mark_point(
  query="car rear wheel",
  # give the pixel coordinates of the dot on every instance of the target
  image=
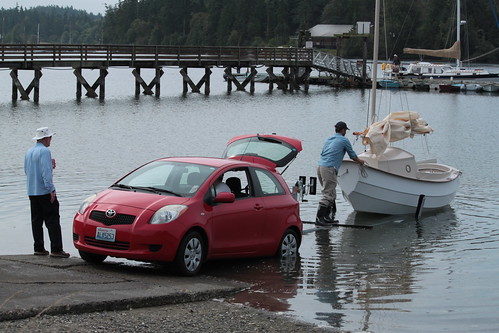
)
(288, 247)
(190, 254)
(92, 257)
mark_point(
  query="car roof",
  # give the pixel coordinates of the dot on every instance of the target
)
(210, 161)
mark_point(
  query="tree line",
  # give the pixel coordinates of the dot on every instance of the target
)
(49, 24)
(417, 24)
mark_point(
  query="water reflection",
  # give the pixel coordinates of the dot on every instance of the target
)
(358, 274)
(274, 281)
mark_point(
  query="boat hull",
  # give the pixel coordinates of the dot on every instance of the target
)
(374, 191)
(491, 87)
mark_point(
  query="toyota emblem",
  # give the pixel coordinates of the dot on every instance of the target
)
(110, 213)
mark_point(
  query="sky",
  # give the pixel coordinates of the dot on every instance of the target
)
(92, 6)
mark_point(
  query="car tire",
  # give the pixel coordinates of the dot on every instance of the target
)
(190, 254)
(92, 257)
(288, 247)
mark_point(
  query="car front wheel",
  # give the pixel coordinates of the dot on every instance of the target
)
(289, 245)
(190, 254)
(92, 257)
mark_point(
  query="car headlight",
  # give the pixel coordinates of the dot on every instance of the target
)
(167, 214)
(85, 203)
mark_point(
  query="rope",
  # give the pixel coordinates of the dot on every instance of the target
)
(483, 55)
(362, 171)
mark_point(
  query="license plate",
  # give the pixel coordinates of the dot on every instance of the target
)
(105, 234)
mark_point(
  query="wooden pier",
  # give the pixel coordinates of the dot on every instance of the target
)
(295, 65)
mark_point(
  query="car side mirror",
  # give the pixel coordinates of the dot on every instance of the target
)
(225, 197)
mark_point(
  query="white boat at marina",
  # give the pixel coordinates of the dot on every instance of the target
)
(439, 71)
(471, 87)
(491, 87)
(391, 181)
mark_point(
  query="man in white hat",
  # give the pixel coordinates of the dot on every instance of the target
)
(38, 166)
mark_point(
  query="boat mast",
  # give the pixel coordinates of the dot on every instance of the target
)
(375, 62)
(458, 29)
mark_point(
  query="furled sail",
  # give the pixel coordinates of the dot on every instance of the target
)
(452, 52)
(396, 126)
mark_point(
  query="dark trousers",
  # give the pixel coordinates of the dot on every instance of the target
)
(42, 210)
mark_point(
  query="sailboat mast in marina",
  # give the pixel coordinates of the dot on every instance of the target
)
(439, 71)
(392, 182)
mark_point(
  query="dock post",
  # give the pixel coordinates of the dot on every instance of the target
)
(13, 74)
(18, 87)
(185, 80)
(137, 83)
(36, 81)
(207, 76)
(102, 84)
(78, 84)
(157, 81)
(285, 72)
(252, 82)
(228, 72)
(270, 72)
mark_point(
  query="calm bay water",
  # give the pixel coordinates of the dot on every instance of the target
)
(434, 275)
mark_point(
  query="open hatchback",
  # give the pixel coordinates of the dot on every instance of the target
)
(267, 149)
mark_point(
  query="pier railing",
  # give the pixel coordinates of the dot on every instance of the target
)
(63, 55)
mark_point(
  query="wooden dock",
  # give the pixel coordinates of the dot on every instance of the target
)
(295, 65)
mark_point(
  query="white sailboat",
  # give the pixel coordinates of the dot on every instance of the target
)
(439, 71)
(392, 182)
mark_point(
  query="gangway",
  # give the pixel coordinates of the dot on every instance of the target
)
(339, 66)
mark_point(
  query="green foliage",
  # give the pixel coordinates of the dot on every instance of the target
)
(416, 23)
(50, 24)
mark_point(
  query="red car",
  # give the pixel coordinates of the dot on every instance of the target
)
(175, 209)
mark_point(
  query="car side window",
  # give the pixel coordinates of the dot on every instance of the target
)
(237, 181)
(268, 183)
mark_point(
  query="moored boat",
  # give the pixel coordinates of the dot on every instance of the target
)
(424, 69)
(471, 87)
(449, 88)
(491, 87)
(388, 83)
(438, 71)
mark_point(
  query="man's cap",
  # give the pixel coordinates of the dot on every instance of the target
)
(341, 125)
(43, 132)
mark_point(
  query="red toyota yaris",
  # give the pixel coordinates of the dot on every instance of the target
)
(189, 209)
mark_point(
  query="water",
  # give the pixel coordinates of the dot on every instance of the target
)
(435, 275)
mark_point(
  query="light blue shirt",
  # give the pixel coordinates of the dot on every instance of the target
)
(333, 151)
(38, 169)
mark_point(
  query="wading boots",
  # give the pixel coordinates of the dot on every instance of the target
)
(324, 216)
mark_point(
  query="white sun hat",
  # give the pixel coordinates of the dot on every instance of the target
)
(43, 132)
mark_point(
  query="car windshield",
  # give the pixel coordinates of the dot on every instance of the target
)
(165, 177)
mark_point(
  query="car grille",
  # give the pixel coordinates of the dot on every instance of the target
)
(100, 216)
(107, 245)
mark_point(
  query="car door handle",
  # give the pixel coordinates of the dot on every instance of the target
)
(258, 206)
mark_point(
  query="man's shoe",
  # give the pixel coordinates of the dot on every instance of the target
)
(41, 253)
(60, 254)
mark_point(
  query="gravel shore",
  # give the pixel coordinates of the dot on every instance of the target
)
(209, 316)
